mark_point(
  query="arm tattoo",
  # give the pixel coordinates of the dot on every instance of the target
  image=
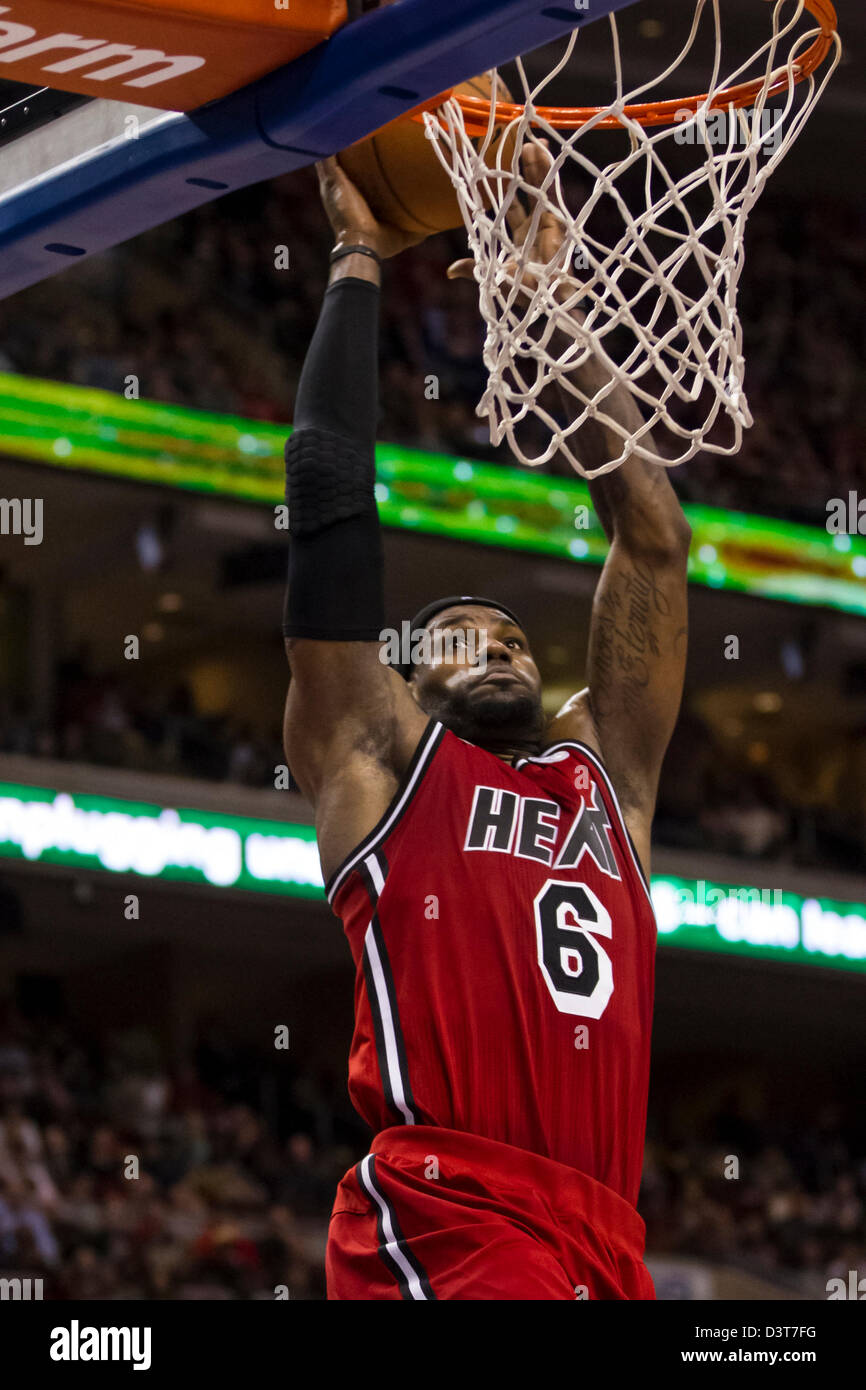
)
(626, 641)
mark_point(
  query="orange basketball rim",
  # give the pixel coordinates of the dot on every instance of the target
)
(476, 110)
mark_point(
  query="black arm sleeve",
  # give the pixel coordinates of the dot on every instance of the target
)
(336, 570)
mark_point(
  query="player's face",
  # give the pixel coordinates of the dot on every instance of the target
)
(477, 675)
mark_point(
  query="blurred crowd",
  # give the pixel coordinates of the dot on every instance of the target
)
(801, 302)
(784, 1202)
(119, 1179)
(216, 310)
(103, 719)
(806, 806)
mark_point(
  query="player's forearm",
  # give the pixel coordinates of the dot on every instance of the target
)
(635, 502)
(597, 441)
(339, 385)
(637, 505)
(336, 581)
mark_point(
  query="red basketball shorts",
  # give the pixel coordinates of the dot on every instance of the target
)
(435, 1214)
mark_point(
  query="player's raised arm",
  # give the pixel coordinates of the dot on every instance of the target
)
(637, 642)
(637, 645)
(638, 634)
(351, 726)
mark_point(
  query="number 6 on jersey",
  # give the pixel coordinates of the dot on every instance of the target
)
(576, 969)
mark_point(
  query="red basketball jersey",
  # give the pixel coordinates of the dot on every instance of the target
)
(504, 940)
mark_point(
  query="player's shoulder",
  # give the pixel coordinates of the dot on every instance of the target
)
(574, 723)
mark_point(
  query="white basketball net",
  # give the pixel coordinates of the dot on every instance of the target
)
(651, 256)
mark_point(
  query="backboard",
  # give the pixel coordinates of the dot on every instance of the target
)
(93, 172)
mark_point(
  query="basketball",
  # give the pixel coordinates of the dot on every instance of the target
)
(400, 176)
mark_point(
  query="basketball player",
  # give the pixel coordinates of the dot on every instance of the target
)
(490, 867)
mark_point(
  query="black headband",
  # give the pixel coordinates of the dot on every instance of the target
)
(422, 618)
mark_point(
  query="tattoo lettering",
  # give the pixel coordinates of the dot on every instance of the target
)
(625, 640)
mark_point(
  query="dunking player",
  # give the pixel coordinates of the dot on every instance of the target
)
(490, 867)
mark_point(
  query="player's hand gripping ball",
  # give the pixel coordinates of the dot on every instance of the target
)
(350, 217)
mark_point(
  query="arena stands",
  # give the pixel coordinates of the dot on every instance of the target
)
(235, 1190)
